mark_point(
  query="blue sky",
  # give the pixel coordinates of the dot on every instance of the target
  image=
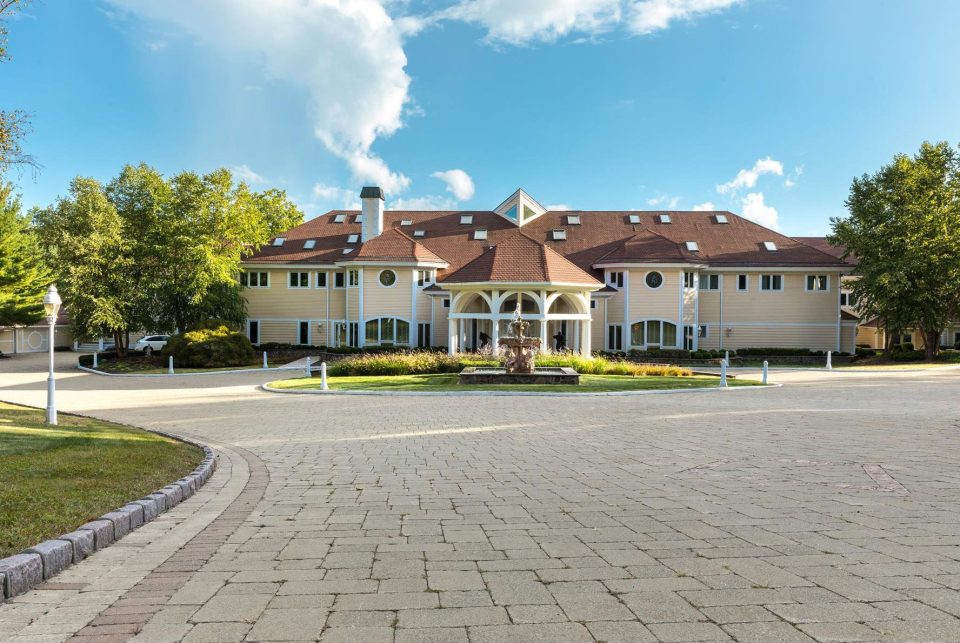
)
(762, 107)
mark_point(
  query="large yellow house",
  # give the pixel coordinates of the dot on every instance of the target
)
(595, 280)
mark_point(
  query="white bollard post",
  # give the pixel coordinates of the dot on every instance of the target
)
(723, 374)
(829, 360)
(170, 365)
(95, 359)
(265, 359)
(323, 376)
(308, 367)
(766, 367)
(726, 357)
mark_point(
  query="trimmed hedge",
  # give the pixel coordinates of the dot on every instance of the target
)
(210, 348)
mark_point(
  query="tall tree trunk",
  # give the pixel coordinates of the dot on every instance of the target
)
(931, 341)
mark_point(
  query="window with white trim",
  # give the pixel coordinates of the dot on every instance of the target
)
(710, 281)
(424, 278)
(321, 281)
(615, 278)
(688, 279)
(387, 331)
(614, 337)
(299, 280)
(593, 304)
(818, 283)
(387, 278)
(743, 283)
(339, 278)
(353, 278)
(703, 331)
(255, 279)
(771, 282)
(446, 303)
(653, 332)
(848, 299)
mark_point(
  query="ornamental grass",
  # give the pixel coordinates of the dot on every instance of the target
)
(426, 362)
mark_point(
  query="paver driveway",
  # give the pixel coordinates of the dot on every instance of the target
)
(827, 510)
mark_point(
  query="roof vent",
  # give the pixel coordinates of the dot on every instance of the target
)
(559, 235)
(573, 219)
(279, 241)
(692, 246)
(466, 219)
(770, 245)
(309, 244)
(347, 251)
(353, 238)
(419, 233)
(634, 218)
(405, 222)
(664, 218)
(479, 234)
(339, 218)
(722, 218)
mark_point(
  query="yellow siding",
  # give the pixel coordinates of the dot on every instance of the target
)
(379, 301)
(278, 331)
(791, 305)
(440, 326)
(279, 301)
(597, 328)
(848, 337)
(615, 309)
(813, 337)
(662, 303)
(870, 337)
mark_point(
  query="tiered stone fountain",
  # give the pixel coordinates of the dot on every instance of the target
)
(519, 367)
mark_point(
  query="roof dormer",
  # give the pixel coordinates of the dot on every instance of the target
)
(520, 208)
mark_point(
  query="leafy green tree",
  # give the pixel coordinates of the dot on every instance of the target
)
(13, 124)
(23, 273)
(904, 229)
(278, 211)
(84, 237)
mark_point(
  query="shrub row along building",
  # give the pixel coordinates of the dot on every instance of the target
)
(599, 280)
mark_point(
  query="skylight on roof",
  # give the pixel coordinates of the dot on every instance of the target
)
(770, 245)
(358, 218)
(479, 234)
(347, 251)
(405, 222)
(466, 219)
(419, 233)
(279, 241)
(634, 218)
(353, 238)
(573, 219)
(339, 218)
(664, 218)
(722, 218)
(309, 244)
(692, 246)
(559, 235)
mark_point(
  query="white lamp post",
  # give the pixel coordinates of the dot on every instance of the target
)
(51, 306)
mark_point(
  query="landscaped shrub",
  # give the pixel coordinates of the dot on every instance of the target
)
(210, 348)
(907, 356)
(788, 352)
(424, 362)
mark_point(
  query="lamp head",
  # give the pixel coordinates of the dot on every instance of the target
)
(51, 303)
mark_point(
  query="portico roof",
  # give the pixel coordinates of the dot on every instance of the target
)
(519, 259)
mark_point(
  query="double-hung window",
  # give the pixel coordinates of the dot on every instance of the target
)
(743, 283)
(688, 279)
(338, 279)
(255, 279)
(321, 280)
(615, 279)
(424, 278)
(353, 278)
(818, 283)
(771, 282)
(710, 282)
(299, 279)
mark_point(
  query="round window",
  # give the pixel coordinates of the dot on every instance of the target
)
(388, 278)
(654, 279)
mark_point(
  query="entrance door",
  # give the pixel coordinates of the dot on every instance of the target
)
(253, 330)
(423, 335)
(303, 333)
(688, 338)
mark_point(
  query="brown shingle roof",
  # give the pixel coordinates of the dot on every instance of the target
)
(518, 258)
(602, 237)
(394, 245)
(821, 244)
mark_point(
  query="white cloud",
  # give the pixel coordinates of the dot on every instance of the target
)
(756, 210)
(330, 196)
(646, 16)
(347, 54)
(671, 202)
(706, 206)
(156, 45)
(458, 183)
(429, 202)
(523, 22)
(558, 207)
(791, 180)
(748, 178)
(244, 173)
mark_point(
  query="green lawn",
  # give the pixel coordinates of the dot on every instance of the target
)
(55, 478)
(448, 382)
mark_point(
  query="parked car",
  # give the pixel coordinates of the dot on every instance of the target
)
(147, 345)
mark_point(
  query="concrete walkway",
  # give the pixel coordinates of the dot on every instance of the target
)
(824, 510)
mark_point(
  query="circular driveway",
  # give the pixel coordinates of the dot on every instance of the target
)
(827, 509)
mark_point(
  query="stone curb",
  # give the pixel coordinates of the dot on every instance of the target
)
(673, 391)
(21, 572)
(175, 374)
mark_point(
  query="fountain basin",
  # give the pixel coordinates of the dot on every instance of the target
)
(543, 375)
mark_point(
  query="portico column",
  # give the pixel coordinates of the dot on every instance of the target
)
(494, 336)
(543, 334)
(452, 336)
(585, 334)
(576, 334)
